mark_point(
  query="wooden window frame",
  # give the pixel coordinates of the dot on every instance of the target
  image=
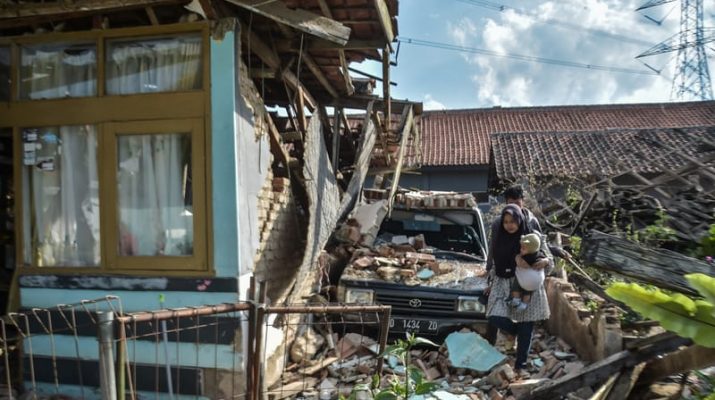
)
(163, 111)
(113, 131)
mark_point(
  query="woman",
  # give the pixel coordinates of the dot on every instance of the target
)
(503, 259)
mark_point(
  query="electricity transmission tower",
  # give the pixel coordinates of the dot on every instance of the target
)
(692, 77)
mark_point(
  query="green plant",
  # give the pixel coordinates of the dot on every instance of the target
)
(657, 233)
(573, 197)
(676, 312)
(707, 244)
(412, 383)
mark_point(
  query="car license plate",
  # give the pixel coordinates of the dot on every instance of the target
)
(413, 325)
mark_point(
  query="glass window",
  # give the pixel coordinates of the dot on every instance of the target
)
(51, 71)
(154, 190)
(154, 65)
(4, 73)
(61, 190)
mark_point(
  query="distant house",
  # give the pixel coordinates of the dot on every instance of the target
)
(456, 144)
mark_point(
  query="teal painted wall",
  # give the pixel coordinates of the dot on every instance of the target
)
(224, 171)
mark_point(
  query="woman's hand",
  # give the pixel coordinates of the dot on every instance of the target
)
(540, 264)
(521, 263)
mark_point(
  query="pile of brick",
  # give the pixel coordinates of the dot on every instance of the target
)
(425, 199)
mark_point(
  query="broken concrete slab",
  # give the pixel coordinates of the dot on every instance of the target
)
(370, 217)
(469, 350)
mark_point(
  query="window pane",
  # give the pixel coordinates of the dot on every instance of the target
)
(62, 188)
(4, 73)
(50, 71)
(154, 65)
(155, 205)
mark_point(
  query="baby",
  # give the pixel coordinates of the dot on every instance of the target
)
(527, 279)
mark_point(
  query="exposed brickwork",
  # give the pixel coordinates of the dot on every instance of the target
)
(280, 250)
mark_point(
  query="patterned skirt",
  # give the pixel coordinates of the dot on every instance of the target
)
(538, 309)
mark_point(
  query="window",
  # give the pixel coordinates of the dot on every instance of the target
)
(62, 196)
(153, 185)
(154, 65)
(51, 71)
(112, 177)
(4, 73)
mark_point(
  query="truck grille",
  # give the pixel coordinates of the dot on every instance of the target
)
(405, 303)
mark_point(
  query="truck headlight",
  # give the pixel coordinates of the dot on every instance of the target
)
(359, 296)
(469, 304)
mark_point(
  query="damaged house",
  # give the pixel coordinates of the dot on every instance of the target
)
(148, 166)
(455, 145)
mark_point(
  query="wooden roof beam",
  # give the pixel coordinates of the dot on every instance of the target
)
(299, 19)
(385, 20)
(271, 59)
(65, 9)
(317, 44)
(315, 69)
(349, 88)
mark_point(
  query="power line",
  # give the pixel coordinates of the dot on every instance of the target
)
(553, 21)
(521, 57)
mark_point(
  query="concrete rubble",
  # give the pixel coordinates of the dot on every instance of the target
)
(331, 372)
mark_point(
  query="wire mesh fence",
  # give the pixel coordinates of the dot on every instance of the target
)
(245, 350)
(192, 352)
(336, 349)
(52, 352)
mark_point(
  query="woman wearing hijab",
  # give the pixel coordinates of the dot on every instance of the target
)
(503, 260)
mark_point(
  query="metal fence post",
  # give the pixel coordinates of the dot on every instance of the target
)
(107, 382)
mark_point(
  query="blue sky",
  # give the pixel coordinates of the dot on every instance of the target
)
(612, 34)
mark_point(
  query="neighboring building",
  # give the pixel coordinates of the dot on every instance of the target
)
(456, 144)
(583, 155)
(146, 165)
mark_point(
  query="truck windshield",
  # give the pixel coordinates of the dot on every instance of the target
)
(452, 239)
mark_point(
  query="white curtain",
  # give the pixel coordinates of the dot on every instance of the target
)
(155, 219)
(65, 197)
(153, 170)
(154, 65)
(50, 73)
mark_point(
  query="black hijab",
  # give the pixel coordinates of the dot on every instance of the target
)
(506, 245)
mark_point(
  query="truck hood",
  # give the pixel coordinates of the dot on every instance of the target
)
(450, 274)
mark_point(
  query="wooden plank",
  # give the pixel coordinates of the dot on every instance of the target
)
(601, 370)
(407, 129)
(152, 16)
(299, 19)
(318, 73)
(386, 88)
(274, 136)
(336, 138)
(349, 88)
(66, 9)
(318, 44)
(660, 267)
(385, 20)
(271, 59)
(688, 359)
(362, 163)
(626, 381)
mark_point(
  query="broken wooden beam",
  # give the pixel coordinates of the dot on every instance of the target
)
(660, 267)
(385, 20)
(302, 20)
(600, 371)
(406, 132)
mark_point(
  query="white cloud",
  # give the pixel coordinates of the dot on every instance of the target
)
(430, 103)
(595, 32)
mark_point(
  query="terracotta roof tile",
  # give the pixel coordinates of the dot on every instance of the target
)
(570, 154)
(461, 137)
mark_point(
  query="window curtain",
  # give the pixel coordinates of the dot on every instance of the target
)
(65, 197)
(152, 66)
(155, 218)
(154, 169)
(50, 73)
